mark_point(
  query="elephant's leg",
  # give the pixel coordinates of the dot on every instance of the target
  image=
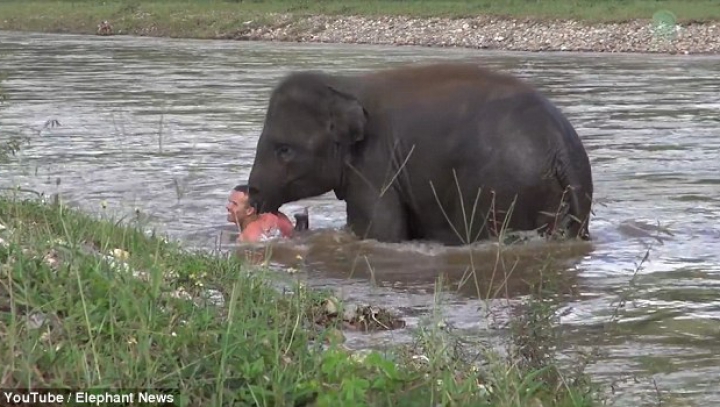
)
(464, 217)
(445, 236)
(558, 216)
(371, 216)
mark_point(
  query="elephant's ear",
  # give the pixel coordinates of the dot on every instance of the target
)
(348, 117)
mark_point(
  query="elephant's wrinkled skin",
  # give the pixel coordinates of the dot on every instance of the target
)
(434, 152)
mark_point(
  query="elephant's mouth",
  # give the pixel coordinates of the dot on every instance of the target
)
(272, 199)
(262, 204)
(264, 207)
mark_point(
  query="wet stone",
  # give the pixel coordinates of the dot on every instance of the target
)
(370, 318)
(36, 320)
(366, 318)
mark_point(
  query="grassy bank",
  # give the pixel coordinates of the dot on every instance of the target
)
(88, 302)
(216, 18)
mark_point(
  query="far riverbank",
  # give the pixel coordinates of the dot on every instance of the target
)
(671, 27)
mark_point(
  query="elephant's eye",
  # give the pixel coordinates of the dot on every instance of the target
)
(284, 152)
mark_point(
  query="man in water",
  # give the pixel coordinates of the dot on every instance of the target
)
(254, 226)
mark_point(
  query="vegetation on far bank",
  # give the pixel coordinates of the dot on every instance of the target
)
(219, 18)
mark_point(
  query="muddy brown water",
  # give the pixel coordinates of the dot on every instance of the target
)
(169, 126)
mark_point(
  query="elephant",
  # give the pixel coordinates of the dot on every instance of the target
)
(449, 152)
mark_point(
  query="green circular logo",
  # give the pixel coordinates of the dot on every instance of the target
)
(664, 22)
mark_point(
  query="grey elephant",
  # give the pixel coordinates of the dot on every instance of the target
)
(452, 153)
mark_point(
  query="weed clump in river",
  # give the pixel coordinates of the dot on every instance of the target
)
(9, 144)
(87, 302)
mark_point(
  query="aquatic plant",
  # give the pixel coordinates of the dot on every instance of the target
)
(8, 145)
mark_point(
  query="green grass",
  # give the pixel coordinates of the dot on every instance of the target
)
(217, 18)
(71, 318)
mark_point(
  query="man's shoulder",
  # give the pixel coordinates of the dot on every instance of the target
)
(269, 218)
(281, 215)
(262, 229)
(280, 221)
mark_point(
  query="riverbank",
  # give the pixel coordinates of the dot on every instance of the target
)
(88, 303)
(671, 26)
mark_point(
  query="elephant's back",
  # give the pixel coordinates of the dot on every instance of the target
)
(465, 123)
(462, 115)
(421, 77)
(412, 87)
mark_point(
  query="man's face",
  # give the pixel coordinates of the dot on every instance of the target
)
(238, 207)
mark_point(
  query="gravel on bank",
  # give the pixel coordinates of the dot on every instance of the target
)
(490, 33)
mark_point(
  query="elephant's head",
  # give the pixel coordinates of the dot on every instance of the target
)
(309, 128)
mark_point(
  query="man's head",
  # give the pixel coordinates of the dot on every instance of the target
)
(239, 207)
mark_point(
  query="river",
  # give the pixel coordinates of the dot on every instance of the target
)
(169, 126)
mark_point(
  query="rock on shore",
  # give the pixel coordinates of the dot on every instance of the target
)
(491, 33)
